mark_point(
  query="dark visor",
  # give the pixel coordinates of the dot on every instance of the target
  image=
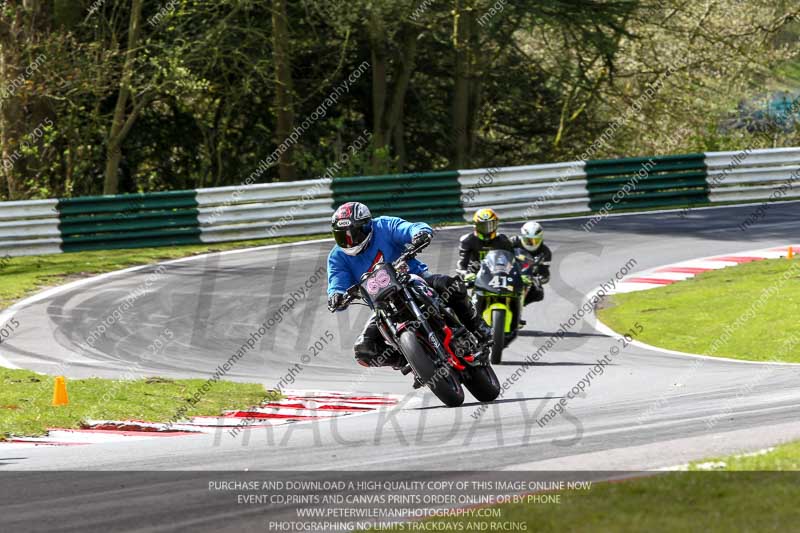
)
(352, 236)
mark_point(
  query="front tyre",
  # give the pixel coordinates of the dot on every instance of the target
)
(498, 334)
(482, 382)
(440, 380)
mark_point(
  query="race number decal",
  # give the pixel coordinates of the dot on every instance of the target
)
(499, 282)
(377, 282)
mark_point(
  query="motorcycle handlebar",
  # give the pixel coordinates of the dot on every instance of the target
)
(354, 293)
(410, 252)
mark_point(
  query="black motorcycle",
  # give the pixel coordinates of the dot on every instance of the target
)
(530, 266)
(437, 348)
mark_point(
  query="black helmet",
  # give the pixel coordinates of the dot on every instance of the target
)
(352, 227)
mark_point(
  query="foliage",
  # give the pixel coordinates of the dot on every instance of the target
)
(448, 83)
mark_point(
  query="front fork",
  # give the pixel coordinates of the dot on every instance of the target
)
(429, 333)
(446, 353)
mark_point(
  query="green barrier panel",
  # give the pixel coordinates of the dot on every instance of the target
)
(629, 161)
(427, 197)
(657, 181)
(674, 202)
(650, 195)
(134, 203)
(449, 174)
(421, 185)
(124, 217)
(128, 221)
(136, 243)
(129, 196)
(596, 190)
(131, 224)
(670, 176)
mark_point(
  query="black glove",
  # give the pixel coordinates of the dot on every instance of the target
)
(335, 301)
(423, 238)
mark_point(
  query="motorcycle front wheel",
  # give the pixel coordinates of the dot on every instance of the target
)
(442, 381)
(498, 334)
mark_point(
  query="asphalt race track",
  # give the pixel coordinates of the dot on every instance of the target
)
(649, 410)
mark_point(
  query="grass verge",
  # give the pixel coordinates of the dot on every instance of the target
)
(785, 457)
(750, 495)
(742, 312)
(25, 400)
(23, 276)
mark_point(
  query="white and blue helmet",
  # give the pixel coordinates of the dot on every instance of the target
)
(531, 235)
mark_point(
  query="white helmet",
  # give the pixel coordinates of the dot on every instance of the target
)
(531, 236)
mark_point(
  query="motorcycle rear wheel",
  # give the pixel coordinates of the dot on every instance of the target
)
(482, 383)
(442, 381)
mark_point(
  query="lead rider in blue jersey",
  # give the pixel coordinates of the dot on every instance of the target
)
(362, 242)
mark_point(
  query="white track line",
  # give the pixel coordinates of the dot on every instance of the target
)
(683, 270)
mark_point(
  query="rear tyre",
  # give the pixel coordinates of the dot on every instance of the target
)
(498, 334)
(482, 382)
(440, 380)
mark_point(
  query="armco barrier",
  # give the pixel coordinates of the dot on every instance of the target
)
(431, 196)
(29, 228)
(526, 191)
(642, 182)
(128, 221)
(748, 175)
(304, 207)
(264, 210)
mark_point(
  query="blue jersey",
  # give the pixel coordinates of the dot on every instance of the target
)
(388, 240)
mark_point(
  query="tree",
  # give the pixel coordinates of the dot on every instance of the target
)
(124, 118)
(284, 106)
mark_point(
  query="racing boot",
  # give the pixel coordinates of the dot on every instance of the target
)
(464, 309)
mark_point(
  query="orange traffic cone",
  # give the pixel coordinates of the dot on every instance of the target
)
(790, 253)
(60, 392)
